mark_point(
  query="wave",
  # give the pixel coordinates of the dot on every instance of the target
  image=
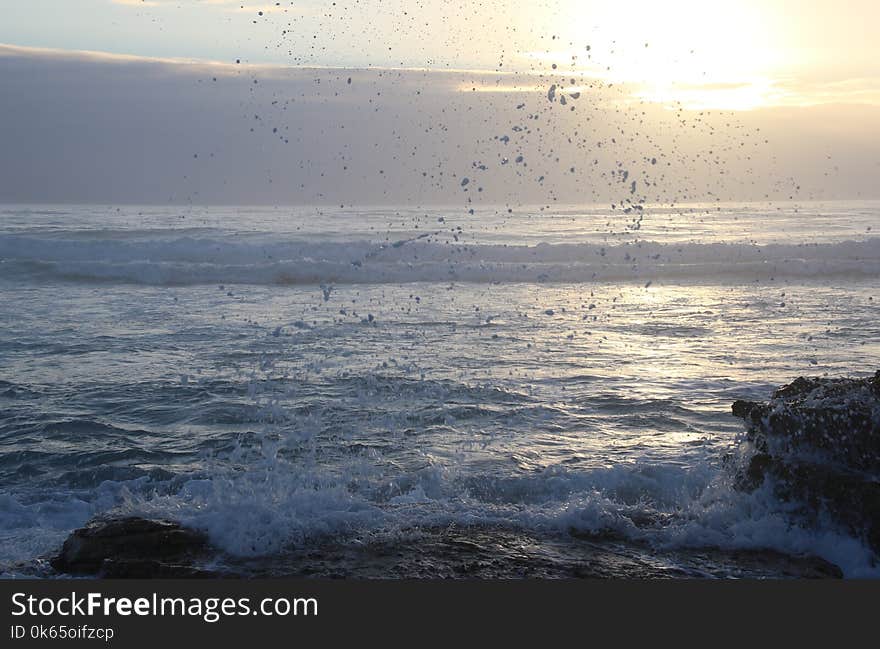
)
(185, 261)
(262, 506)
(263, 512)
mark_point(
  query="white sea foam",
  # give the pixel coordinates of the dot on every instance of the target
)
(268, 506)
(664, 506)
(189, 261)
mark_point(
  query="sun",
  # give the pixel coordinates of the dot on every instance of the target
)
(700, 54)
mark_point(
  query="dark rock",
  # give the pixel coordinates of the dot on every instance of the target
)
(137, 546)
(447, 552)
(490, 552)
(743, 409)
(152, 569)
(818, 441)
(832, 420)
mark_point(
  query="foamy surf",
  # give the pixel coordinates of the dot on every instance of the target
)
(190, 261)
(322, 400)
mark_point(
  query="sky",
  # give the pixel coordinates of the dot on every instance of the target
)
(218, 101)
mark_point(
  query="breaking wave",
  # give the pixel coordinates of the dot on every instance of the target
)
(192, 261)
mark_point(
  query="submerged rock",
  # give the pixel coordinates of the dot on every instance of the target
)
(497, 552)
(448, 552)
(818, 440)
(131, 547)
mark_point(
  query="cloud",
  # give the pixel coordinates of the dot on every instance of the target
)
(861, 90)
(226, 5)
(108, 128)
(156, 3)
(699, 88)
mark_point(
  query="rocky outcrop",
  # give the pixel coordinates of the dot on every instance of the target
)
(818, 441)
(131, 547)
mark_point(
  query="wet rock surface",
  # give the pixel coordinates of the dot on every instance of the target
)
(131, 547)
(142, 549)
(503, 553)
(818, 441)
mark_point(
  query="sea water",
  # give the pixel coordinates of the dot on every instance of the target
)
(281, 377)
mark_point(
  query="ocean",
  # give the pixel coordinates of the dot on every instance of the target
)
(531, 380)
